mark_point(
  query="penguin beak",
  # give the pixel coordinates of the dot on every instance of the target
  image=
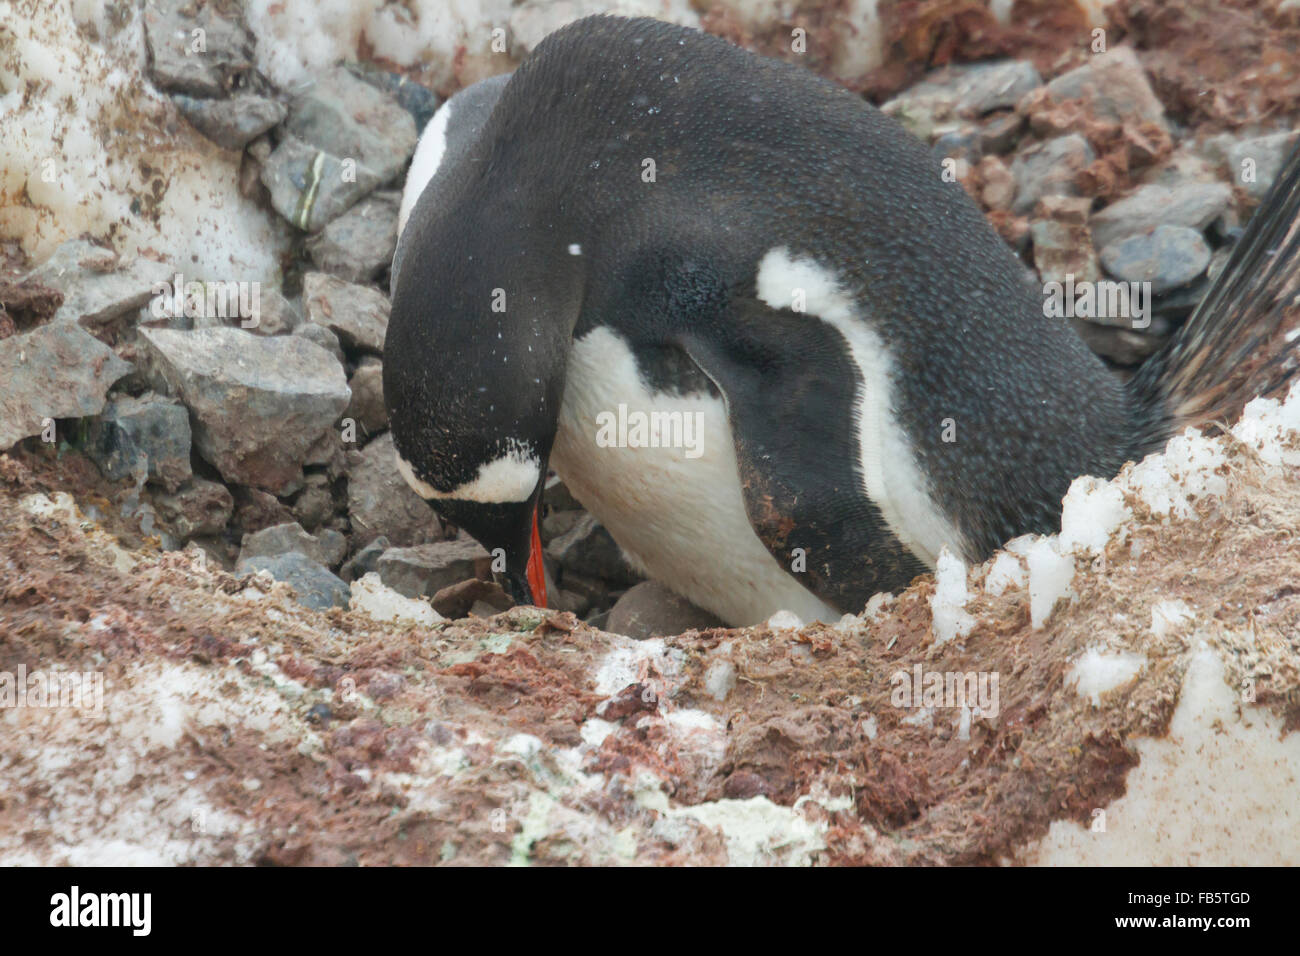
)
(510, 529)
(529, 587)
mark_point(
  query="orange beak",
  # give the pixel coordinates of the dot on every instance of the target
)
(536, 569)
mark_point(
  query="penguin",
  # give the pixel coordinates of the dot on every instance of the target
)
(742, 315)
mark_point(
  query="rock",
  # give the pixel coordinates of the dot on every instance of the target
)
(1001, 132)
(588, 549)
(205, 63)
(1254, 163)
(367, 406)
(1062, 245)
(309, 187)
(54, 371)
(315, 503)
(458, 600)
(651, 610)
(381, 503)
(557, 496)
(963, 91)
(255, 510)
(1191, 204)
(417, 99)
(1115, 86)
(347, 117)
(323, 337)
(364, 561)
(356, 313)
(258, 403)
(145, 437)
(1121, 345)
(359, 244)
(201, 507)
(1049, 169)
(998, 187)
(329, 549)
(232, 123)
(343, 138)
(557, 523)
(277, 315)
(315, 586)
(1167, 257)
(425, 569)
(98, 289)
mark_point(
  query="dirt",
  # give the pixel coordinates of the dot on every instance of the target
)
(297, 737)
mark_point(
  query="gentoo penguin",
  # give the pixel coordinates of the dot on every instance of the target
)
(655, 222)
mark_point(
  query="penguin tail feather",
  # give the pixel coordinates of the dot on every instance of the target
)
(1243, 340)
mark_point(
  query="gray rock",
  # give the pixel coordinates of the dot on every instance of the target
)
(142, 437)
(200, 64)
(97, 288)
(651, 610)
(425, 569)
(367, 407)
(1195, 205)
(1116, 86)
(315, 504)
(328, 549)
(255, 510)
(359, 244)
(343, 138)
(257, 403)
(965, 91)
(1049, 169)
(316, 587)
(1121, 345)
(276, 315)
(557, 496)
(310, 187)
(55, 371)
(365, 560)
(588, 549)
(323, 337)
(418, 100)
(356, 313)
(201, 507)
(557, 523)
(349, 118)
(1167, 257)
(381, 503)
(1254, 163)
(232, 122)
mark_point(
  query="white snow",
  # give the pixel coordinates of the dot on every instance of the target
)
(1218, 791)
(1098, 671)
(948, 603)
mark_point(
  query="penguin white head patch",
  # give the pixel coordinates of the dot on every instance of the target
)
(512, 477)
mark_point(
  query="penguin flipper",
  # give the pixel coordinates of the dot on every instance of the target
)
(791, 389)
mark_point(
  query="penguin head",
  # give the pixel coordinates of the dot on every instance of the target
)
(474, 362)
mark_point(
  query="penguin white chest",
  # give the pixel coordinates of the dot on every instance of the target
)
(659, 471)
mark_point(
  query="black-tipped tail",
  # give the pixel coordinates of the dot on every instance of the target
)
(1243, 340)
